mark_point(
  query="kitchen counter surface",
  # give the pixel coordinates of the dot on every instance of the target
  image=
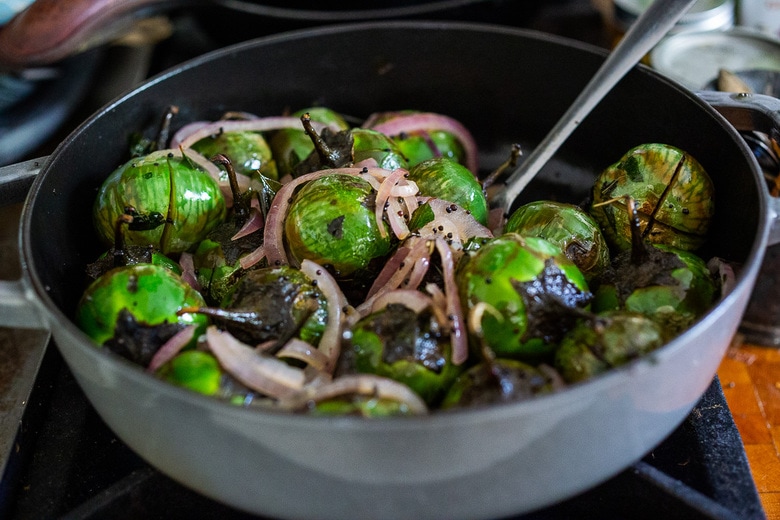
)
(750, 377)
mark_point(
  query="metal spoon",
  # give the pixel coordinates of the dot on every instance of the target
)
(652, 25)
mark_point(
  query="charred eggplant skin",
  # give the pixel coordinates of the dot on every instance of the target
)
(610, 339)
(526, 283)
(674, 287)
(497, 381)
(398, 343)
(275, 302)
(152, 294)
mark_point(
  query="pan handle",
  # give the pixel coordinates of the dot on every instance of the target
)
(752, 113)
(18, 304)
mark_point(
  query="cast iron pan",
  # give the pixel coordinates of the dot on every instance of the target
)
(507, 86)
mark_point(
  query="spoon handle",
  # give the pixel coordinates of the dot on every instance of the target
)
(652, 25)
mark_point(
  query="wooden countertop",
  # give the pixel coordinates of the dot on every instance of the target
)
(750, 377)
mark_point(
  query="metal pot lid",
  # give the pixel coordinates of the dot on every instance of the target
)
(704, 15)
(694, 58)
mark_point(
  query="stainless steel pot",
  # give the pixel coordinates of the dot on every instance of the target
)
(506, 85)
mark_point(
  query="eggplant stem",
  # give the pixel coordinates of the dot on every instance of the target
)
(515, 153)
(165, 127)
(240, 208)
(638, 249)
(120, 258)
(328, 155)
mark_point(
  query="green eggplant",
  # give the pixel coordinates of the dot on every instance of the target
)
(525, 292)
(569, 227)
(136, 308)
(674, 196)
(451, 181)
(169, 190)
(332, 222)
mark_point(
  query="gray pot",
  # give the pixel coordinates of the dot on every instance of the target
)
(506, 85)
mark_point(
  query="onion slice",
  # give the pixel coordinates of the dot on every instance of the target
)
(298, 349)
(393, 264)
(412, 299)
(458, 335)
(373, 386)
(391, 187)
(419, 252)
(252, 258)
(187, 264)
(330, 342)
(427, 122)
(194, 132)
(170, 348)
(262, 373)
(724, 272)
(254, 223)
(452, 223)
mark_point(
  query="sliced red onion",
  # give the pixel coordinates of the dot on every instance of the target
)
(396, 216)
(301, 350)
(187, 264)
(477, 312)
(187, 130)
(405, 189)
(368, 162)
(452, 223)
(252, 258)
(392, 265)
(418, 273)
(496, 219)
(385, 207)
(262, 373)
(458, 334)
(330, 342)
(439, 300)
(170, 348)
(725, 273)
(427, 121)
(266, 345)
(254, 223)
(410, 298)
(373, 386)
(191, 134)
(200, 161)
(419, 251)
